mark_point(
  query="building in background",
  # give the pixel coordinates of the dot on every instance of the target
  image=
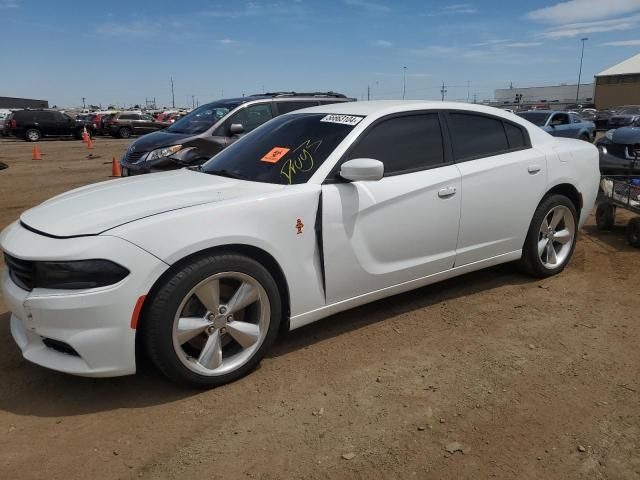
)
(558, 95)
(619, 85)
(12, 102)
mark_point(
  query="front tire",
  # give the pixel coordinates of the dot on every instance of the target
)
(212, 320)
(551, 238)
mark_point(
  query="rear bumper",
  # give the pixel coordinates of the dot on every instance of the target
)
(94, 323)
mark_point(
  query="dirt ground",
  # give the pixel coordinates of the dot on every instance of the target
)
(534, 379)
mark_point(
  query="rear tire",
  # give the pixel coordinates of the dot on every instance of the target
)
(605, 216)
(551, 238)
(633, 232)
(124, 132)
(32, 135)
(585, 137)
(195, 327)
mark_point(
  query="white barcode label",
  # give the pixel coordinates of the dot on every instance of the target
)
(343, 119)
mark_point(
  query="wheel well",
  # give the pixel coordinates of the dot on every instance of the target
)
(255, 253)
(570, 192)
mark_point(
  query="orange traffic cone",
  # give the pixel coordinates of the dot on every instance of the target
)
(115, 168)
(36, 152)
(89, 143)
(85, 135)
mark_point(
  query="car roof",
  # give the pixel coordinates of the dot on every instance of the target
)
(386, 107)
(380, 108)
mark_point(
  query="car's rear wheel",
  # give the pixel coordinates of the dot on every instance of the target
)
(633, 232)
(551, 238)
(605, 216)
(213, 320)
(585, 137)
(32, 135)
(124, 132)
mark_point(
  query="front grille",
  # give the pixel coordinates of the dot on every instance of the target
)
(617, 150)
(133, 157)
(22, 272)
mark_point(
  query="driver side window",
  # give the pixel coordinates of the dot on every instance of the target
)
(560, 119)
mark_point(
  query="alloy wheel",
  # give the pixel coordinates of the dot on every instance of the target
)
(221, 323)
(556, 237)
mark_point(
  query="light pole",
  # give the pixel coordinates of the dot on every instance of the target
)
(580, 70)
(404, 82)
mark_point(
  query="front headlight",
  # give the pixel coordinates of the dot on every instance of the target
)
(163, 152)
(609, 135)
(77, 274)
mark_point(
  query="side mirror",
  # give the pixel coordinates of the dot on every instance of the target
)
(365, 169)
(236, 129)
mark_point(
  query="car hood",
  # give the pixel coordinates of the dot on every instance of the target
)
(93, 209)
(626, 135)
(158, 139)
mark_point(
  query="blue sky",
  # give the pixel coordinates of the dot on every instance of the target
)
(121, 52)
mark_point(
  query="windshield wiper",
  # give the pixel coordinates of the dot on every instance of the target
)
(226, 173)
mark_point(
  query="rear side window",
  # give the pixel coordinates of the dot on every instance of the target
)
(128, 116)
(24, 116)
(286, 107)
(403, 144)
(48, 117)
(515, 136)
(475, 136)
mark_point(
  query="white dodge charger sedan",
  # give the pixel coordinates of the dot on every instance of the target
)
(314, 212)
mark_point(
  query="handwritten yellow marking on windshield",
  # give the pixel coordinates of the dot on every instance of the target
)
(302, 162)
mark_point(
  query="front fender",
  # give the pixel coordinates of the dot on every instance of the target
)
(268, 222)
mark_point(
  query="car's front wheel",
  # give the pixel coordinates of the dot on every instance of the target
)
(551, 238)
(212, 320)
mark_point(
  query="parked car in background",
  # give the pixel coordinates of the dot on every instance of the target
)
(561, 124)
(3, 116)
(205, 131)
(602, 117)
(94, 118)
(620, 151)
(625, 117)
(126, 124)
(32, 125)
(104, 123)
(315, 212)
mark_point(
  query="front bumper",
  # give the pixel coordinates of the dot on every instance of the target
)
(142, 166)
(95, 323)
(613, 165)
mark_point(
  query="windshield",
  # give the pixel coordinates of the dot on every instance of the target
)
(629, 111)
(202, 118)
(537, 118)
(286, 150)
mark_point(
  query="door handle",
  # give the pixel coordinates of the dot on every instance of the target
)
(533, 169)
(447, 192)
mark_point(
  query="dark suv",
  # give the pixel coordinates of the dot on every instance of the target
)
(205, 131)
(32, 125)
(125, 124)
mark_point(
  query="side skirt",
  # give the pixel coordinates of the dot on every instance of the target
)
(314, 315)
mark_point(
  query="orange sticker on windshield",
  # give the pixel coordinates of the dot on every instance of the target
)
(275, 154)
